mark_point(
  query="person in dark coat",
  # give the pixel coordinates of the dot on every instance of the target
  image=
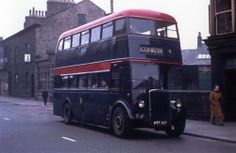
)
(45, 97)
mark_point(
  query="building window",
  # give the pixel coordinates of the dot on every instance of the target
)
(27, 58)
(204, 74)
(224, 19)
(16, 80)
(27, 47)
(26, 80)
(230, 62)
(16, 53)
(204, 57)
(223, 5)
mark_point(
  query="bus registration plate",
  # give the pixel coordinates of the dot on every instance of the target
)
(156, 123)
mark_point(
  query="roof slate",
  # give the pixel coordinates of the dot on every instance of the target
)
(189, 56)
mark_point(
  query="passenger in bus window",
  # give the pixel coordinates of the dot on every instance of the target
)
(134, 29)
(92, 82)
(103, 83)
(83, 82)
(161, 32)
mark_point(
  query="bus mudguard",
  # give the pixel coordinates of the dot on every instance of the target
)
(123, 104)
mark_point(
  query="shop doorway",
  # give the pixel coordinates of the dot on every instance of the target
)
(229, 104)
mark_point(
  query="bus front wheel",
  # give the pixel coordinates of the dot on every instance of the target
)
(67, 113)
(121, 125)
(177, 128)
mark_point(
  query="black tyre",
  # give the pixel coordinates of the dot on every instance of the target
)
(67, 113)
(177, 128)
(121, 125)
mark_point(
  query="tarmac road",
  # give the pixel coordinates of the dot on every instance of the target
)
(34, 129)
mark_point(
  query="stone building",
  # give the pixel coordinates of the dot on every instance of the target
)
(19, 50)
(197, 67)
(195, 79)
(3, 74)
(222, 47)
(31, 52)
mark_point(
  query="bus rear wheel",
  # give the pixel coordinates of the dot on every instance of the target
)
(67, 113)
(121, 125)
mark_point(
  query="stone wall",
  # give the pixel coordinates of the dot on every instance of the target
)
(54, 26)
(56, 6)
(41, 33)
(20, 82)
(47, 36)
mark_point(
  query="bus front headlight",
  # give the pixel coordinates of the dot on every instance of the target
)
(141, 104)
(178, 103)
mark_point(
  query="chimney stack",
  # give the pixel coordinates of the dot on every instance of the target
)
(199, 40)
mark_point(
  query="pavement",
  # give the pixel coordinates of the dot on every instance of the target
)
(202, 129)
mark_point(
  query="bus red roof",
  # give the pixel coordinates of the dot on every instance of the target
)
(138, 13)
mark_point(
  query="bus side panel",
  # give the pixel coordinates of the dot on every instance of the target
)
(89, 106)
(95, 106)
(58, 102)
(120, 47)
(60, 97)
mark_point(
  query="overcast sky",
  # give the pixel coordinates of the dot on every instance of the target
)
(191, 15)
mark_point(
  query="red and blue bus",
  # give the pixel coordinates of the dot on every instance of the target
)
(117, 72)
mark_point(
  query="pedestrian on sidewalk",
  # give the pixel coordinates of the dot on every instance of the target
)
(215, 98)
(45, 97)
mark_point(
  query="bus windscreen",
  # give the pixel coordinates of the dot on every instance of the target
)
(152, 28)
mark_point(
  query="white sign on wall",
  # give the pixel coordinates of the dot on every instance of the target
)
(27, 58)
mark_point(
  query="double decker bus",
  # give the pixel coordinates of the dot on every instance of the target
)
(115, 72)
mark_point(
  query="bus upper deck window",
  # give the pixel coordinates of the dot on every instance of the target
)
(67, 43)
(76, 40)
(120, 27)
(165, 29)
(85, 37)
(141, 26)
(60, 46)
(107, 30)
(171, 31)
(95, 34)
